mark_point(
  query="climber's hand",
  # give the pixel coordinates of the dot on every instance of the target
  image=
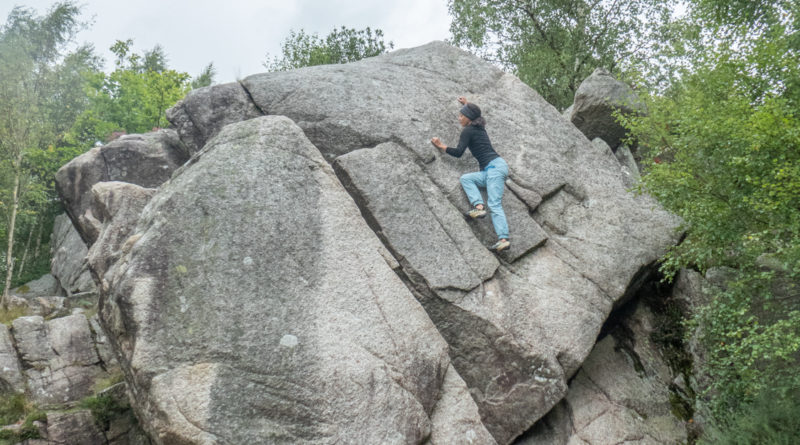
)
(438, 143)
(462, 100)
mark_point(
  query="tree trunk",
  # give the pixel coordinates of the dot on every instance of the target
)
(11, 226)
(25, 253)
(38, 240)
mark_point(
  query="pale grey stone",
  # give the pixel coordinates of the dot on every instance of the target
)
(314, 340)
(599, 237)
(71, 428)
(11, 379)
(44, 286)
(620, 395)
(203, 112)
(596, 100)
(455, 418)
(68, 262)
(59, 358)
(145, 160)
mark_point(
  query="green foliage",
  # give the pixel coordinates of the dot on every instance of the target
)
(16, 408)
(131, 99)
(104, 408)
(12, 408)
(552, 45)
(41, 93)
(342, 45)
(205, 78)
(722, 150)
(773, 419)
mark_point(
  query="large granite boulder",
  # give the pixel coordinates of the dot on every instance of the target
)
(68, 263)
(244, 266)
(146, 160)
(59, 358)
(598, 97)
(520, 324)
(251, 304)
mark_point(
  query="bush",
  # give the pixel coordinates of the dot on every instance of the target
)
(772, 419)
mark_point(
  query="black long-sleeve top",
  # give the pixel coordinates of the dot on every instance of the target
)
(477, 140)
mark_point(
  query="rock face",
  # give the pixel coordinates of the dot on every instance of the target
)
(620, 395)
(596, 99)
(251, 302)
(11, 379)
(68, 262)
(45, 286)
(253, 306)
(146, 160)
(59, 358)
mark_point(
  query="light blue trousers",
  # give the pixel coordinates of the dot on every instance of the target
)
(493, 179)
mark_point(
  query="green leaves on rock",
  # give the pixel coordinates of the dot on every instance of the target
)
(342, 45)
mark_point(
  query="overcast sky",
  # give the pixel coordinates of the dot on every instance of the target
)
(237, 34)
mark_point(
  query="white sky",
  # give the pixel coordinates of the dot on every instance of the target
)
(237, 34)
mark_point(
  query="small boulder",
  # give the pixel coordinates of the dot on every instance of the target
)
(146, 160)
(596, 100)
(59, 358)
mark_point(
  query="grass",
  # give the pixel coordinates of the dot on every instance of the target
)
(11, 314)
(15, 408)
(773, 419)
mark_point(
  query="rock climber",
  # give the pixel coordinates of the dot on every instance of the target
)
(492, 174)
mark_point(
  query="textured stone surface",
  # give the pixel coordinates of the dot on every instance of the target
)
(455, 418)
(59, 358)
(11, 380)
(620, 395)
(596, 99)
(117, 206)
(44, 286)
(521, 323)
(146, 160)
(68, 263)
(629, 166)
(73, 428)
(251, 304)
(203, 112)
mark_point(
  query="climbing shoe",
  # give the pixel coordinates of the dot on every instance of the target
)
(501, 245)
(476, 213)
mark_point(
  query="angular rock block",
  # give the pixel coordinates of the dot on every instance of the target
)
(251, 304)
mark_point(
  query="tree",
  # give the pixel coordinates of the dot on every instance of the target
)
(342, 45)
(723, 150)
(40, 93)
(552, 45)
(133, 98)
(205, 78)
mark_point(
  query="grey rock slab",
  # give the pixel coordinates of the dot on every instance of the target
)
(146, 160)
(59, 358)
(11, 378)
(71, 428)
(596, 100)
(455, 418)
(416, 220)
(253, 305)
(203, 112)
(44, 286)
(68, 263)
(117, 206)
(620, 394)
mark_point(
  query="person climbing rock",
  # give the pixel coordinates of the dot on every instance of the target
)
(492, 174)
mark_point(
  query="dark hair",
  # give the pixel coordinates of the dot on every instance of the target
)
(478, 122)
